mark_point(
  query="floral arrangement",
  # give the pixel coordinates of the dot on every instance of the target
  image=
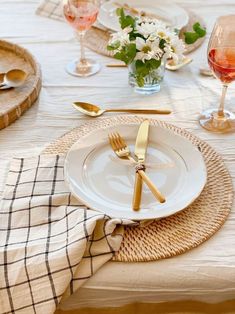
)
(146, 43)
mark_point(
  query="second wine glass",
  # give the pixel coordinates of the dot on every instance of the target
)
(81, 15)
(221, 58)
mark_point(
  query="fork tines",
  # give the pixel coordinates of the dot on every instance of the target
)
(116, 141)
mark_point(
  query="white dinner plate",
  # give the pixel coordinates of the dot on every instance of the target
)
(170, 13)
(102, 182)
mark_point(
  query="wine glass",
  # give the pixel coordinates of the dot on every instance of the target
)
(221, 59)
(81, 14)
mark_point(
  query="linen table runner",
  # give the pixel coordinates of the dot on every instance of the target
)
(50, 244)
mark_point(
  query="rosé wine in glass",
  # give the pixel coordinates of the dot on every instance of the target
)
(222, 63)
(221, 59)
(81, 15)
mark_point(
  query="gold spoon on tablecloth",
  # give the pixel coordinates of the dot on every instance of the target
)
(13, 78)
(95, 111)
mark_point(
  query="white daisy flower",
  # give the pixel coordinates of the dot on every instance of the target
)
(145, 29)
(148, 49)
(177, 49)
(120, 39)
(148, 20)
(167, 52)
(162, 33)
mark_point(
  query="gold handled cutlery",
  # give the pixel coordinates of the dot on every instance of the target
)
(121, 149)
(140, 152)
(95, 111)
(116, 65)
(12, 78)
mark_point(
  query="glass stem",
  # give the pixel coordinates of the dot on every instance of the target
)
(82, 56)
(221, 106)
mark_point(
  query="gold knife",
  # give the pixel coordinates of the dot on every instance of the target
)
(140, 152)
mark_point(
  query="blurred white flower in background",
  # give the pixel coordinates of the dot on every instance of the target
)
(177, 49)
(120, 39)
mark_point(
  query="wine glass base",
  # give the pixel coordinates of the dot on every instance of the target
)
(211, 121)
(75, 68)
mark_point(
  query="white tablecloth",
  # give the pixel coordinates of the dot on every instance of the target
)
(206, 273)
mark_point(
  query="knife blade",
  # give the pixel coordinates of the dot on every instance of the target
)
(140, 152)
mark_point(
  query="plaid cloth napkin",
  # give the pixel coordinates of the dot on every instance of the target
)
(51, 9)
(50, 244)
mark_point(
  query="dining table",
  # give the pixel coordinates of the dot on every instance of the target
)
(201, 278)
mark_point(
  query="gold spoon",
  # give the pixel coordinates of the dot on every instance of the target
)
(1, 77)
(13, 78)
(95, 111)
(174, 67)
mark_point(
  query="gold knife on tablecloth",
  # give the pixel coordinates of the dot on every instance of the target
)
(140, 152)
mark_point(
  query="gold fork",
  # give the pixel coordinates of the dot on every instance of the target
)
(121, 149)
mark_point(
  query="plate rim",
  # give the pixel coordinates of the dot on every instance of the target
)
(169, 131)
(166, 2)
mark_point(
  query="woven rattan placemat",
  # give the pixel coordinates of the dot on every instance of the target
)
(97, 39)
(14, 102)
(183, 231)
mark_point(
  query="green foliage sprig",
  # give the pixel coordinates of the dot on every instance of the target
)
(192, 37)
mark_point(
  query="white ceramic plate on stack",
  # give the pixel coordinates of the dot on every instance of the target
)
(170, 13)
(104, 183)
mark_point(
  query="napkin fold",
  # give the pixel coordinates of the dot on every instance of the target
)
(50, 244)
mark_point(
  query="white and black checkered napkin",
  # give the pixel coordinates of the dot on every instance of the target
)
(49, 242)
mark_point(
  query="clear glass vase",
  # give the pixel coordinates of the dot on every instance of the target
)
(151, 82)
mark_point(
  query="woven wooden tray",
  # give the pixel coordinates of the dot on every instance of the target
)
(183, 231)
(14, 102)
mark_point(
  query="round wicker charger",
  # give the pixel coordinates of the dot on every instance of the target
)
(15, 101)
(97, 39)
(183, 231)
